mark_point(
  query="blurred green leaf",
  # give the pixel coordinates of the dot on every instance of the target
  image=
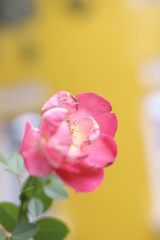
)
(15, 164)
(8, 215)
(24, 231)
(56, 192)
(54, 178)
(35, 207)
(2, 159)
(2, 235)
(33, 188)
(55, 189)
(51, 228)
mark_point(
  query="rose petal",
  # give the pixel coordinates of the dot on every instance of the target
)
(57, 146)
(54, 158)
(86, 180)
(61, 99)
(51, 120)
(101, 153)
(62, 139)
(90, 104)
(32, 152)
(74, 154)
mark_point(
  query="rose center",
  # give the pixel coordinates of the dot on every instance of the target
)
(85, 130)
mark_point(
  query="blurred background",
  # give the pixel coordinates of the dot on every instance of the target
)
(110, 47)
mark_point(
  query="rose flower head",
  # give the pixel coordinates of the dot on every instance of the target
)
(75, 140)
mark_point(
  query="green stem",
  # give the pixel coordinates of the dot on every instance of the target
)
(19, 182)
(25, 196)
(22, 199)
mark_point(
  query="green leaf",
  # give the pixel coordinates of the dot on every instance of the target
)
(51, 228)
(35, 207)
(56, 192)
(15, 164)
(2, 235)
(55, 189)
(2, 159)
(54, 178)
(8, 215)
(33, 188)
(24, 231)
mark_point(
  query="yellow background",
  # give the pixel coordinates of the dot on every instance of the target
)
(97, 50)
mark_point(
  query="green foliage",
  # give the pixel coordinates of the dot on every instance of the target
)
(51, 228)
(8, 215)
(55, 188)
(14, 163)
(44, 189)
(36, 197)
(2, 159)
(35, 207)
(33, 188)
(2, 235)
(24, 231)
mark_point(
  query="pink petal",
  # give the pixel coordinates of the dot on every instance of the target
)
(84, 130)
(101, 153)
(69, 167)
(58, 145)
(90, 104)
(61, 99)
(51, 120)
(62, 139)
(32, 152)
(75, 154)
(54, 158)
(86, 180)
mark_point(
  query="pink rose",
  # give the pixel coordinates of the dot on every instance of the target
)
(75, 140)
